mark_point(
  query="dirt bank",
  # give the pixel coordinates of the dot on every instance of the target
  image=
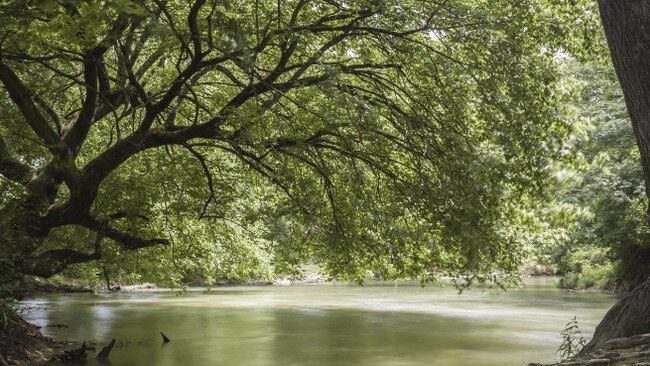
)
(21, 343)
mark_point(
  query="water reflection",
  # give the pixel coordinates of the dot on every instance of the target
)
(325, 325)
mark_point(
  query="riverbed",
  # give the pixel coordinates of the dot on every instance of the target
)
(378, 324)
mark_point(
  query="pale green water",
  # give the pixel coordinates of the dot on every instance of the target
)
(378, 325)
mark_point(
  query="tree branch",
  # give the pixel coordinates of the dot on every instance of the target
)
(127, 241)
(23, 99)
(192, 22)
(208, 176)
(50, 111)
(95, 77)
(75, 134)
(54, 261)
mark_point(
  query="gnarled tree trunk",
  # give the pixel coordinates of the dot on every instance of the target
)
(627, 27)
(630, 316)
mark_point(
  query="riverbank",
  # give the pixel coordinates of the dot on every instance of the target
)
(631, 351)
(21, 343)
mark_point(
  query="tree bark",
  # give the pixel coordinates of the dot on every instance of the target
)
(628, 317)
(627, 28)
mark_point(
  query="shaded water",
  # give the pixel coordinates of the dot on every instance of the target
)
(378, 325)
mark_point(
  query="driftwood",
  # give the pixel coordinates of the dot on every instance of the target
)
(103, 354)
(164, 337)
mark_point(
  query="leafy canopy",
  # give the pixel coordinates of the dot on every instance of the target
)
(398, 137)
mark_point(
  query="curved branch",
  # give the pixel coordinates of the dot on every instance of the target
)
(208, 176)
(54, 261)
(23, 100)
(192, 21)
(76, 134)
(127, 241)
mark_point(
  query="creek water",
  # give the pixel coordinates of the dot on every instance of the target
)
(331, 324)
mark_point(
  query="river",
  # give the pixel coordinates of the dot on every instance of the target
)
(331, 324)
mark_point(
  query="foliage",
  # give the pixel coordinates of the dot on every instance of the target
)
(239, 138)
(9, 240)
(587, 267)
(607, 241)
(7, 312)
(572, 340)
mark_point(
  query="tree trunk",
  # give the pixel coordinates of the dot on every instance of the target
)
(627, 28)
(628, 317)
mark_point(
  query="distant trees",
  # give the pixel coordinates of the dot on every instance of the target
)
(601, 189)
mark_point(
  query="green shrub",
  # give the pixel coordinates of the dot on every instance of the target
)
(588, 267)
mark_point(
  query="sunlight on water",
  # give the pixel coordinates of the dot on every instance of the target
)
(379, 325)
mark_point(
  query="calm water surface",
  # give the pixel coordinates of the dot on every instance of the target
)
(378, 325)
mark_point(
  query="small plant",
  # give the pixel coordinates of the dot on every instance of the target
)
(573, 341)
(7, 310)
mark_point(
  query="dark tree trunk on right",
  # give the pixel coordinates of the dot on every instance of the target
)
(627, 28)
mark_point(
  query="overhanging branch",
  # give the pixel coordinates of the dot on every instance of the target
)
(54, 261)
(127, 241)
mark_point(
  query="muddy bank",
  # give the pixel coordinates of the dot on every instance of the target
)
(21, 343)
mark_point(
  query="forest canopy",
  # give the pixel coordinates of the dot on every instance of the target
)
(223, 138)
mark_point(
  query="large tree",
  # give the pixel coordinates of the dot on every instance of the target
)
(627, 28)
(400, 136)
